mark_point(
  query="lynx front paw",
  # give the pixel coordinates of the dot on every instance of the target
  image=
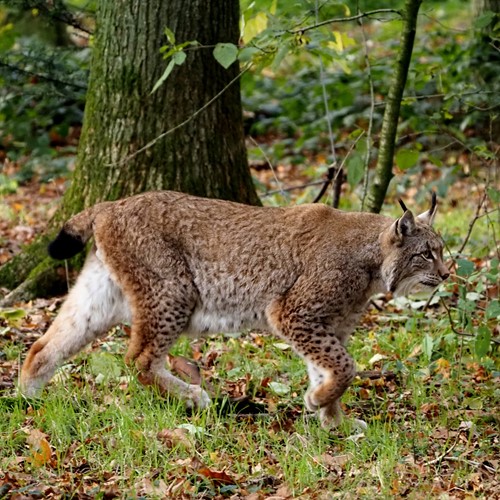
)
(331, 415)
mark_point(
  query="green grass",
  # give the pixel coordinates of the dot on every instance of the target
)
(432, 411)
(103, 428)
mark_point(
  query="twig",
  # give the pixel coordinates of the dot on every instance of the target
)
(449, 450)
(473, 222)
(370, 119)
(458, 332)
(334, 170)
(278, 182)
(180, 125)
(292, 188)
(58, 11)
(41, 77)
(299, 31)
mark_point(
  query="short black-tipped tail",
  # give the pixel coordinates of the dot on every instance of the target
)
(65, 245)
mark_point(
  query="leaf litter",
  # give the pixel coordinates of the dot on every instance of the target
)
(456, 458)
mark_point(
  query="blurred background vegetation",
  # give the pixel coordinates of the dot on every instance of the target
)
(449, 118)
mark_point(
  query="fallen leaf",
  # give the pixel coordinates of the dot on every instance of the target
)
(185, 368)
(376, 358)
(175, 437)
(39, 446)
(219, 478)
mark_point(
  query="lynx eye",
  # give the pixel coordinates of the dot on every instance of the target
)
(427, 255)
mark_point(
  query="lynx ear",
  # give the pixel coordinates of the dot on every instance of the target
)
(404, 226)
(428, 217)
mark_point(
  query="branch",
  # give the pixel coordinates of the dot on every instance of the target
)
(334, 172)
(370, 118)
(473, 222)
(278, 182)
(299, 31)
(291, 188)
(383, 170)
(41, 77)
(56, 10)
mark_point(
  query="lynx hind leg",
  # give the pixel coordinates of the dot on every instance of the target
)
(160, 315)
(93, 306)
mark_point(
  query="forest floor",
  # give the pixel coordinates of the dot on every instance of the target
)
(430, 401)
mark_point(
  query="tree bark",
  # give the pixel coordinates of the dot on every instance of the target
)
(383, 170)
(207, 157)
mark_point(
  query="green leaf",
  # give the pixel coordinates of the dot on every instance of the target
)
(13, 317)
(406, 158)
(494, 195)
(106, 365)
(484, 20)
(355, 170)
(437, 161)
(170, 36)
(254, 26)
(163, 77)
(473, 403)
(465, 267)
(428, 346)
(493, 309)
(248, 53)
(226, 54)
(483, 340)
(279, 388)
(179, 57)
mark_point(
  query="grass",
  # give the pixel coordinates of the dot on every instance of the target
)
(423, 440)
(430, 401)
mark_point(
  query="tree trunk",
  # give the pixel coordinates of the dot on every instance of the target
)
(383, 170)
(206, 157)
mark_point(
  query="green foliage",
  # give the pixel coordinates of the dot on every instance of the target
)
(449, 103)
(42, 91)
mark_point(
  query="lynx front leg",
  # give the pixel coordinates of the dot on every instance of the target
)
(331, 371)
(93, 306)
(330, 367)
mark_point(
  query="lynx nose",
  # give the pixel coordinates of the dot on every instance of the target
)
(444, 273)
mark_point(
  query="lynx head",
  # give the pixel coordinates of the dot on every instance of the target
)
(413, 253)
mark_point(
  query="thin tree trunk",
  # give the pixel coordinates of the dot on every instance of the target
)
(383, 170)
(206, 157)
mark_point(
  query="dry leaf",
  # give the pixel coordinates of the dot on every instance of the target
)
(219, 478)
(186, 369)
(40, 447)
(175, 437)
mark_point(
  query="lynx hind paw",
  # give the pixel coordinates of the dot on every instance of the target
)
(359, 424)
(309, 401)
(197, 397)
(31, 388)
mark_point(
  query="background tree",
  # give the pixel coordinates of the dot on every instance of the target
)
(384, 169)
(206, 157)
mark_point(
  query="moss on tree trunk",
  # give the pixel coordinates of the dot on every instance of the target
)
(207, 157)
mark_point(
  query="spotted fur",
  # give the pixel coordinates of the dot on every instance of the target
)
(170, 263)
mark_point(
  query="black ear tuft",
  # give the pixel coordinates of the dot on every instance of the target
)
(403, 206)
(433, 202)
(65, 246)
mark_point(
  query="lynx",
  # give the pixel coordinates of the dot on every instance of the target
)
(173, 264)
